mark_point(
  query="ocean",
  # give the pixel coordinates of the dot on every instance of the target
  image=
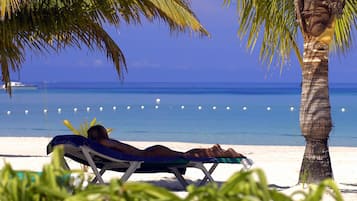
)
(225, 113)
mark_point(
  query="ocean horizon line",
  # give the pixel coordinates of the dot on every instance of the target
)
(197, 84)
(180, 82)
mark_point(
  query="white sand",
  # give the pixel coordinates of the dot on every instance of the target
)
(280, 163)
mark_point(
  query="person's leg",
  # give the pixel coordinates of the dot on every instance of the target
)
(231, 153)
(159, 150)
(214, 151)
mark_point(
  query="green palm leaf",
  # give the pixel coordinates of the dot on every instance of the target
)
(48, 26)
(344, 27)
(273, 24)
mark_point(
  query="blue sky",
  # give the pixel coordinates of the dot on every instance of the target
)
(155, 55)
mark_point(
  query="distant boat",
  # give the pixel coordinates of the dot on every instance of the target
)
(20, 85)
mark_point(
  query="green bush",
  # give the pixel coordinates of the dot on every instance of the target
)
(54, 183)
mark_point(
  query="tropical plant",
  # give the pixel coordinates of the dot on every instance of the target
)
(53, 183)
(83, 128)
(56, 183)
(45, 26)
(323, 23)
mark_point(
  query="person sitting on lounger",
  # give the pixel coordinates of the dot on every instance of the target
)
(99, 134)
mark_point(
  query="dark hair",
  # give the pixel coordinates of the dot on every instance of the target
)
(97, 133)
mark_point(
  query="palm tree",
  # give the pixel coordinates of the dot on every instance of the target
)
(323, 26)
(44, 26)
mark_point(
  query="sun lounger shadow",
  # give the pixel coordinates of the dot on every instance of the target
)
(170, 183)
(348, 188)
(19, 155)
(349, 184)
(101, 159)
(279, 187)
(173, 185)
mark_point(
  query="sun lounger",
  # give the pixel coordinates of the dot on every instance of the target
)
(93, 154)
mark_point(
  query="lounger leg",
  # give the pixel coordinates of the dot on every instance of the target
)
(92, 165)
(101, 173)
(210, 171)
(247, 163)
(65, 164)
(205, 171)
(132, 168)
(179, 177)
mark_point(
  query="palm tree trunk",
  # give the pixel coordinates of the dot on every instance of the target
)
(316, 19)
(315, 112)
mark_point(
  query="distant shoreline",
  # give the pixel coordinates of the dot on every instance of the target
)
(242, 88)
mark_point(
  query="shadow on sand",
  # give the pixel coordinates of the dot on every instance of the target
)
(17, 155)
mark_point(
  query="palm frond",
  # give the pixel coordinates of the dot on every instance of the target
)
(7, 7)
(11, 57)
(345, 27)
(48, 30)
(178, 15)
(44, 26)
(275, 21)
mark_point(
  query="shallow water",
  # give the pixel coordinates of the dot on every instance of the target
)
(201, 112)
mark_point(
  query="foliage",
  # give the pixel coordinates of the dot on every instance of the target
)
(82, 130)
(273, 24)
(44, 26)
(252, 185)
(53, 183)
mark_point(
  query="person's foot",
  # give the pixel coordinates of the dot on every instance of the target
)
(232, 153)
(217, 151)
(217, 148)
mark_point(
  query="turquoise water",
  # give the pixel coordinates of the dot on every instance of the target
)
(206, 113)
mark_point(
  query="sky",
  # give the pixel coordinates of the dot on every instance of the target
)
(153, 54)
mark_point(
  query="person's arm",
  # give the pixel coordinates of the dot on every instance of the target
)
(122, 147)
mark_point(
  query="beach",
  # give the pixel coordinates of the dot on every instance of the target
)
(281, 164)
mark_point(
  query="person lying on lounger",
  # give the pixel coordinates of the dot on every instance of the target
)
(99, 134)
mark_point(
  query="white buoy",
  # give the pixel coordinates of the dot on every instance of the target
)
(158, 101)
(128, 107)
(214, 107)
(59, 110)
(245, 108)
(8, 112)
(268, 108)
(228, 108)
(156, 107)
(26, 111)
(343, 109)
(75, 109)
(101, 109)
(114, 108)
(199, 107)
(142, 107)
(292, 109)
(182, 107)
(45, 111)
(87, 109)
